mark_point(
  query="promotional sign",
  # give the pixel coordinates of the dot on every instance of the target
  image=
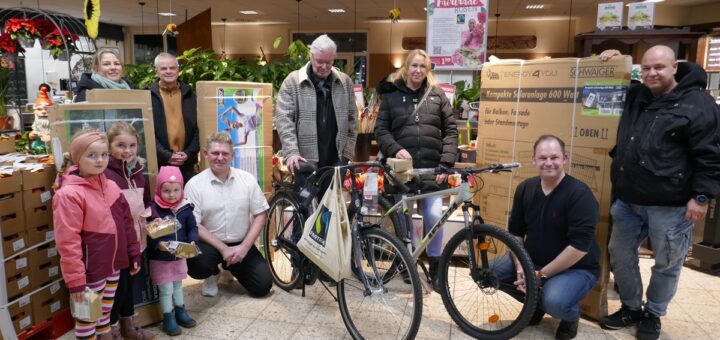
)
(610, 16)
(244, 111)
(457, 33)
(641, 15)
(712, 58)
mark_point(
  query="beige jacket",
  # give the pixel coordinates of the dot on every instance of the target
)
(295, 115)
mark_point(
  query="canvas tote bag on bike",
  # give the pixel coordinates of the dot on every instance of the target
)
(326, 238)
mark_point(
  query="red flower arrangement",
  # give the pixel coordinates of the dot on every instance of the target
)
(23, 29)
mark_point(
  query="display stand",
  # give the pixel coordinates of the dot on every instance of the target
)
(635, 43)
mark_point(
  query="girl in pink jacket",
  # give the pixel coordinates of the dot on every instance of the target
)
(94, 230)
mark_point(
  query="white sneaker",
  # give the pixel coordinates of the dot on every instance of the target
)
(210, 287)
(226, 277)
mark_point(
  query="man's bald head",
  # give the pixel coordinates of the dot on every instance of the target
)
(658, 69)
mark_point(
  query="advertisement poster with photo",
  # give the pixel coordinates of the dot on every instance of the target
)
(641, 15)
(239, 113)
(457, 33)
(610, 16)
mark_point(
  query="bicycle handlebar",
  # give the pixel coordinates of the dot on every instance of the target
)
(494, 167)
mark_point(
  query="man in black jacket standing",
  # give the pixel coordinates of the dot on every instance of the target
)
(665, 169)
(175, 116)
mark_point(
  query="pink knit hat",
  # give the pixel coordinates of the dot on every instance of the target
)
(81, 142)
(168, 174)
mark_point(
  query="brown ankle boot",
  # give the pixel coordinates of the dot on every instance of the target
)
(130, 329)
(115, 332)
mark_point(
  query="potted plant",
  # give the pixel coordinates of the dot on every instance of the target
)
(464, 92)
(22, 30)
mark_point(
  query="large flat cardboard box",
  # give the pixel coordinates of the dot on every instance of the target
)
(16, 265)
(9, 183)
(245, 111)
(43, 178)
(10, 203)
(12, 223)
(68, 119)
(13, 244)
(578, 100)
(48, 301)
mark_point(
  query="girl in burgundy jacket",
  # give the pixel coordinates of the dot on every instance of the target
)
(93, 229)
(125, 168)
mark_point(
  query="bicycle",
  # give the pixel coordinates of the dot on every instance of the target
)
(471, 291)
(376, 291)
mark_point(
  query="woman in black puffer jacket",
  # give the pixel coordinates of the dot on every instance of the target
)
(423, 130)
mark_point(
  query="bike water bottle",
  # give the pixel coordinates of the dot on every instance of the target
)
(370, 194)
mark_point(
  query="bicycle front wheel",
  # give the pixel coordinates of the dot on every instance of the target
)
(284, 219)
(391, 308)
(487, 306)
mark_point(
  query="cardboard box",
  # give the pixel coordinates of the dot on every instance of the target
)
(38, 179)
(43, 254)
(22, 318)
(39, 234)
(12, 223)
(578, 100)
(7, 144)
(245, 111)
(9, 183)
(21, 303)
(10, 203)
(14, 243)
(140, 98)
(49, 301)
(67, 119)
(45, 273)
(39, 216)
(37, 197)
(17, 264)
(18, 284)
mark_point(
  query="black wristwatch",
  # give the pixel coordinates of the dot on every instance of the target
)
(701, 199)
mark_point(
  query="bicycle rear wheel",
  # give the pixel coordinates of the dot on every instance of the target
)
(284, 217)
(394, 308)
(486, 307)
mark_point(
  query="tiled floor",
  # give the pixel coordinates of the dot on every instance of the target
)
(693, 314)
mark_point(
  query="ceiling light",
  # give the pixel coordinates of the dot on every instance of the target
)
(535, 6)
(251, 12)
(336, 10)
(425, 9)
(166, 14)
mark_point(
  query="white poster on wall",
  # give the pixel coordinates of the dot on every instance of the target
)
(610, 16)
(641, 15)
(457, 33)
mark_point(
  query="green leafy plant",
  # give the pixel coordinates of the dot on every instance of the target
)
(197, 65)
(142, 75)
(465, 91)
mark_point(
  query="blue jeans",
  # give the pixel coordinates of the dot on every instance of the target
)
(670, 235)
(169, 293)
(559, 295)
(431, 209)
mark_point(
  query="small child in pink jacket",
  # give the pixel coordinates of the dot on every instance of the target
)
(94, 229)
